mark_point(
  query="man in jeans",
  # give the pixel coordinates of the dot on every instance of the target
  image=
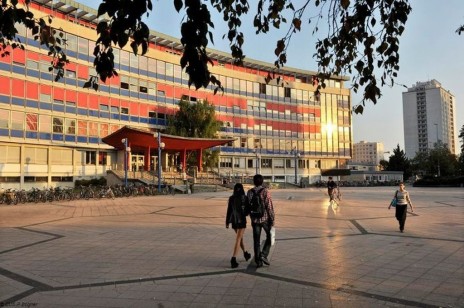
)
(264, 223)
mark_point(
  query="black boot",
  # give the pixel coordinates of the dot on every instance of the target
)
(247, 255)
(233, 262)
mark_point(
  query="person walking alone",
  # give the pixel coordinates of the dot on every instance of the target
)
(402, 201)
(261, 219)
(236, 215)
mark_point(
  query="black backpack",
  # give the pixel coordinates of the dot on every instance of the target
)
(257, 207)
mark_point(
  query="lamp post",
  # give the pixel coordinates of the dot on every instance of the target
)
(296, 155)
(438, 154)
(124, 141)
(160, 147)
(257, 160)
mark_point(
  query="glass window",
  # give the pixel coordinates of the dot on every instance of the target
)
(45, 98)
(102, 158)
(169, 69)
(82, 128)
(103, 129)
(45, 123)
(104, 107)
(4, 118)
(160, 67)
(134, 84)
(32, 65)
(70, 126)
(134, 61)
(71, 42)
(17, 120)
(90, 157)
(58, 125)
(124, 110)
(93, 129)
(32, 122)
(124, 55)
(143, 63)
(83, 45)
(70, 74)
(177, 71)
(92, 48)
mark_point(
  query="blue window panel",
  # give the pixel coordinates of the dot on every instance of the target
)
(17, 101)
(143, 120)
(134, 119)
(161, 99)
(143, 96)
(114, 90)
(134, 70)
(94, 139)
(45, 106)
(32, 135)
(57, 137)
(71, 82)
(70, 138)
(45, 136)
(81, 111)
(5, 66)
(92, 58)
(4, 99)
(70, 53)
(104, 88)
(151, 74)
(80, 83)
(46, 76)
(58, 108)
(152, 98)
(124, 92)
(124, 117)
(19, 70)
(81, 139)
(143, 72)
(162, 122)
(4, 132)
(152, 121)
(71, 110)
(177, 80)
(83, 57)
(32, 104)
(134, 94)
(124, 68)
(33, 73)
(33, 42)
(17, 133)
(104, 115)
(115, 116)
(170, 100)
(93, 113)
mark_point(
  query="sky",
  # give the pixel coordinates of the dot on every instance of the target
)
(430, 49)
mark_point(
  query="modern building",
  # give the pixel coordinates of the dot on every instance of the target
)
(429, 117)
(367, 154)
(51, 132)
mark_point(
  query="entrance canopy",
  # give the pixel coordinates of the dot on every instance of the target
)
(140, 139)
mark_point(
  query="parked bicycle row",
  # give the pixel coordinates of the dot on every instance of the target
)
(36, 195)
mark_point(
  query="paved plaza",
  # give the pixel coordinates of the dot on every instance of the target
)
(174, 251)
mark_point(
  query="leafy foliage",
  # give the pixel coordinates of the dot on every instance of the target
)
(399, 162)
(196, 120)
(51, 38)
(439, 161)
(362, 37)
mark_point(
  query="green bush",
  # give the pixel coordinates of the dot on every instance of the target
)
(451, 181)
(94, 182)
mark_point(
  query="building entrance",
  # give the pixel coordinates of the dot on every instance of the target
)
(137, 162)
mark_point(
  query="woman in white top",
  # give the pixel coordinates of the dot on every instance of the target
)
(402, 201)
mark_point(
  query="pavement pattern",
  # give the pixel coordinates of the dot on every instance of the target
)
(174, 251)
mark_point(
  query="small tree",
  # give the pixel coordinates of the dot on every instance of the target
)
(197, 120)
(399, 162)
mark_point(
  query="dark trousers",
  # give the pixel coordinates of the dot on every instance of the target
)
(400, 215)
(257, 240)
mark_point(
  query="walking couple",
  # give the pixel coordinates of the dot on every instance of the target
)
(257, 203)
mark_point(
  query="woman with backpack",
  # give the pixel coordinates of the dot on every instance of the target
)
(236, 215)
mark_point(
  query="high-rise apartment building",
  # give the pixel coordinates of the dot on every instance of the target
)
(368, 153)
(429, 117)
(53, 132)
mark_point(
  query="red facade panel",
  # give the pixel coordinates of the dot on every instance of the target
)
(32, 90)
(82, 100)
(19, 56)
(44, 89)
(33, 56)
(93, 101)
(82, 72)
(71, 96)
(5, 85)
(17, 87)
(58, 94)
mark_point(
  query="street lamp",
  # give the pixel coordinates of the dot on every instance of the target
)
(160, 147)
(296, 155)
(438, 154)
(257, 160)
(126, 150)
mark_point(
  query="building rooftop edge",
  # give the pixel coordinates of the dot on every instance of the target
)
(88, 14)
